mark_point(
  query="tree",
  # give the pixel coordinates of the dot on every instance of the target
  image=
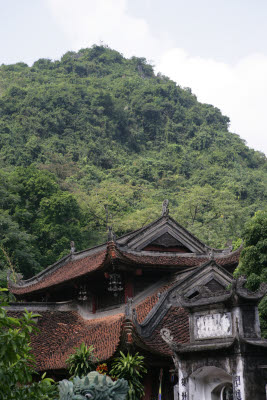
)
(19, 245)
(41, 210)
(16, 360)
(131, 368)
(253, 260)
(112, 132)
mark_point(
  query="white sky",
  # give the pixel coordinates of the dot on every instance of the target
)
(218, 48)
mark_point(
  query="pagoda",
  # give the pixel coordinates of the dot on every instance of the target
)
(158, 291)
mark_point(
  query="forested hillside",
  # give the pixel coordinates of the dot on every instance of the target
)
(97, 129)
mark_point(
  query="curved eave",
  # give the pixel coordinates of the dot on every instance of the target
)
(65, 270)
(83, 263)
(256, 342)
(199, 347)
(147, 258)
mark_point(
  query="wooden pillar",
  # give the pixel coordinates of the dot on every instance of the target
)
(148, 386)
(128, 292)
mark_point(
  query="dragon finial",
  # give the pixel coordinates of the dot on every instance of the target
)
(72, 247)
(111, 235)
(165, 208)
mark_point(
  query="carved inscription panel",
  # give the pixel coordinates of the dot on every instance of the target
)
(212, 325)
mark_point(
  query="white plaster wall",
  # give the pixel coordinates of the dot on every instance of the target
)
(176, 391)
(182, 383)
(238, 379)
(213, 325)
(237, 320)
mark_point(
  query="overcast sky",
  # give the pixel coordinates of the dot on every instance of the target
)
(218, 48)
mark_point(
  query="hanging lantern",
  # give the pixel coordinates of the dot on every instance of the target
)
(82, 295)
(114, 284)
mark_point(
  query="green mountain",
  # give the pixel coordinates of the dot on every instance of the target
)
(96, 129)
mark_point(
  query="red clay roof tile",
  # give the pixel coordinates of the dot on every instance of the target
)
(143, 308)
(67, 272)
(61, 332)
(83, 266)
(179, 260)
(177, 321)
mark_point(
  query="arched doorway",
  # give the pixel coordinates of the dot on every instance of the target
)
(210, 383)
(224, 391)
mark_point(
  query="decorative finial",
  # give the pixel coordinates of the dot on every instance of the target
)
(229, 245)
(165, 208)
(211, 254)
(128, 307)
(111, 235)
(14, 277)
(72, 247)
(107, 216)
(134, 314)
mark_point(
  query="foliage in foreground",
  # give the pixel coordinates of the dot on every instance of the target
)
(16, 360)
(82, 361)
(132, 369)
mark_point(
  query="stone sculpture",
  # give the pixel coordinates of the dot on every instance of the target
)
(94, 386)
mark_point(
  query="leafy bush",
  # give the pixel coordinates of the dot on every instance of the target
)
(131, 368)
(16, 360)
(82, 361)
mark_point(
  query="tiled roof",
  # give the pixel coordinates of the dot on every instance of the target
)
(179, 260)
(66, 272)
(230, 259)
(143, 308)
(61, 332)
(80, 265)
(177, 321)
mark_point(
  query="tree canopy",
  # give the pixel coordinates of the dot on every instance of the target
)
(253, 261)
(95, 129)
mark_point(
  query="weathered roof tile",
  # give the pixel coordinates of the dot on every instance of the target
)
(62, 331)
(68, 271)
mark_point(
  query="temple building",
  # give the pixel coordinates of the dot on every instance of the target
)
(159, 291)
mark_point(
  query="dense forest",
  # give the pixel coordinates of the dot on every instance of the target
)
(95, 129)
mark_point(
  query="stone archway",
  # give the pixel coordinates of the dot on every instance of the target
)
(210, 383)
(224, 391)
